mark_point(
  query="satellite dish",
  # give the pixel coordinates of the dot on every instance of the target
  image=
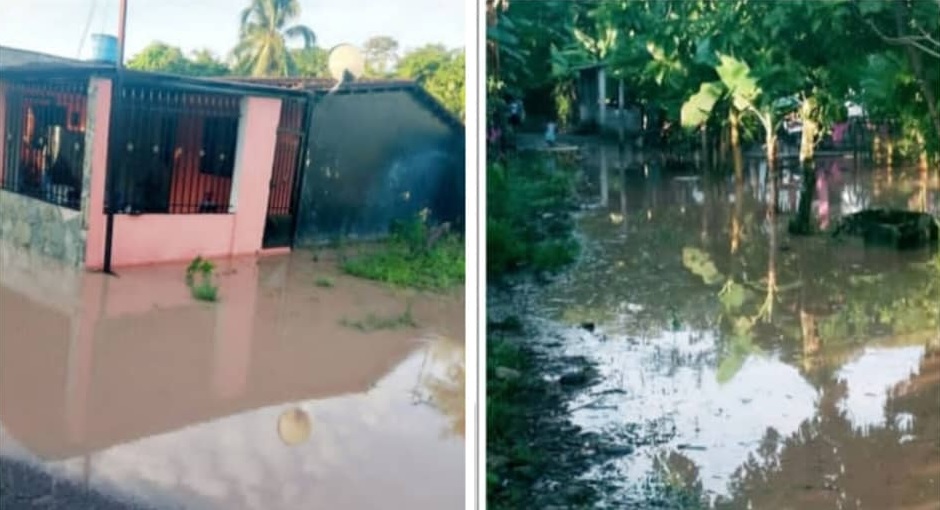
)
(346, 63)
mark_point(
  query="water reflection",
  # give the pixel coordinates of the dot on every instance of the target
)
(263, 400)
(776, 371)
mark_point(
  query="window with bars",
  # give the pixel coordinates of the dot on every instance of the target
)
(44, 140)
(174, 151)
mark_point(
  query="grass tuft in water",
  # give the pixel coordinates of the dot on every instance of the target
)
(200, 279)
(418, 255)
(324, 282)
(372, 322)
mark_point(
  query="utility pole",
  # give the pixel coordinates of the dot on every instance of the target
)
(122, 27)
(115, 98)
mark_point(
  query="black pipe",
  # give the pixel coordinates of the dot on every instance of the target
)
(108, 241)
(110, 178)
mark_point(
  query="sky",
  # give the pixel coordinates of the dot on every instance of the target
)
(56, 26)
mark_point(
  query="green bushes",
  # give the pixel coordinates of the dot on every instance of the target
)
(418, 255)
(528, 223)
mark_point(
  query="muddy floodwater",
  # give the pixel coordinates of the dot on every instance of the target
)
(747, 368)
(277, 397)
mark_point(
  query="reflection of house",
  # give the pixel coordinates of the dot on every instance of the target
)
(97, 353)
(210, 167)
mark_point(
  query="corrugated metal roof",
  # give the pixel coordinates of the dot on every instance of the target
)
(321, 86)
(324, 84)
(15, 57)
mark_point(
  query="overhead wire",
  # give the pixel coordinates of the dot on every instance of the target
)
(91, 15)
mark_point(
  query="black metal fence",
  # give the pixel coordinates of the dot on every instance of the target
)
(44, 139)
(173, 151)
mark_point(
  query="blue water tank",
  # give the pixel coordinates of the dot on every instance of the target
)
(104, 48)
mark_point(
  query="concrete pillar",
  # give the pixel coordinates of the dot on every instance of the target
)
(251, 181)
(97, 126)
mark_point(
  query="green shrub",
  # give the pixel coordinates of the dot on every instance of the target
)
(417, 255)
(528, 224)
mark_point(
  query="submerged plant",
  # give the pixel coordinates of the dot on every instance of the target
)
(373, 322)
(204, 289)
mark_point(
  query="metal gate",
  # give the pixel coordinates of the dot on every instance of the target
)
(288, 155)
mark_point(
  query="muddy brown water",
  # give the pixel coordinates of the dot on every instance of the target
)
(752, 369)
(268, 399)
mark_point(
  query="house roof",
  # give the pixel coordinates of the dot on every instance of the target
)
(15, 62)
(322, 86)
(16, 57)
(26, 63)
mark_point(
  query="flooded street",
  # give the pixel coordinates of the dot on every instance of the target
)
(745, 367)
(276, 397)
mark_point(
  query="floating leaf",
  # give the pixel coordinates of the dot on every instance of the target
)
(700, 263)
(729, 367)
(734, 296)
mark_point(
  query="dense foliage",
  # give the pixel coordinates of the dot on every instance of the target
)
(800, 57)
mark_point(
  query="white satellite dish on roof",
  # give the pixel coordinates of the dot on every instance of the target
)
(346, 63)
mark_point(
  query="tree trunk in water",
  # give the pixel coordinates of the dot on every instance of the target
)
(889, 151)
(724, 144)
(810, 128)
(735, 134)
(922, 160)
(771, 149)
(705, 159)
(811, 343)
(738, 200)
(876, 143)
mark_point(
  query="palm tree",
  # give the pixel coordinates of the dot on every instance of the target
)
(262, 48)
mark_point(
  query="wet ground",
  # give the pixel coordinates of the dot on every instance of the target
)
(751, 369)
(298, 389)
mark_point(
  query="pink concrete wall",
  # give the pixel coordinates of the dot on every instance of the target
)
(153, 238)
(150, 238)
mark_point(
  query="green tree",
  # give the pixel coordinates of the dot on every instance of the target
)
(262, 47)
(311, 62)
(440, 71)
(381, 54)
(204, 63)
(161, 57)
(447, 85)
(423, 62)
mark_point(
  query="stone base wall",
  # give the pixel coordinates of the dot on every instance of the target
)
(44, 228)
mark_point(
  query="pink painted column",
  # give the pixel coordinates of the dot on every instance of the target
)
(254, 161)
(96, 168)
(3, 130)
